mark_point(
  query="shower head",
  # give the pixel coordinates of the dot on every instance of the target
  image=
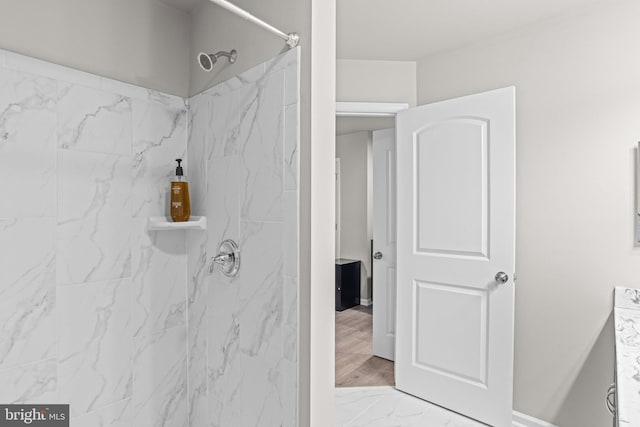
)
(208, 60)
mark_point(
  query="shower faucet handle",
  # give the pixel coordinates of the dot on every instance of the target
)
(228, 258)
(222, 259)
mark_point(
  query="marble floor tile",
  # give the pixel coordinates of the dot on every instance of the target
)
(353, 401)
(388, 407)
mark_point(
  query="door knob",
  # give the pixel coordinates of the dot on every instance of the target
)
(377, 255)
(502, 277)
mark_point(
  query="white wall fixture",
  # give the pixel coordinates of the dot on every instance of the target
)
(158, 223)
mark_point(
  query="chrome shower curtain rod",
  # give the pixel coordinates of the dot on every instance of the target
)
(291, 39)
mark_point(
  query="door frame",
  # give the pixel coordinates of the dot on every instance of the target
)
(369, 109)
(338, 208)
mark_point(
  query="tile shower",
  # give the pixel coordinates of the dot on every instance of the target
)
(125, 324)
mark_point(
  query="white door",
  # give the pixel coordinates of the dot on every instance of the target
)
(384, 243)
(456, 239)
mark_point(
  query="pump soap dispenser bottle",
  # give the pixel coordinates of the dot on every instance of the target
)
(180, 205)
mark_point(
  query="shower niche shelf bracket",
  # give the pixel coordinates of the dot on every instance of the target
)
(160, 223)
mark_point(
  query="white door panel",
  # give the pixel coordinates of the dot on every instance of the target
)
(384, 241)
(453, 151)
(456, 230)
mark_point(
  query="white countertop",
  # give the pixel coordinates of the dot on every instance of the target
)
(627, 348)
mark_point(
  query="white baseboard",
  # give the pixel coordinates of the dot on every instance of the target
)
(366, 302)
(522, 420)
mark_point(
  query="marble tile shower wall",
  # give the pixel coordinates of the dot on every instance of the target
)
(243, 332)
(125, 324)
(92, 306)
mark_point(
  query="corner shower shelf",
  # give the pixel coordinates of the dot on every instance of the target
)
(160, 223)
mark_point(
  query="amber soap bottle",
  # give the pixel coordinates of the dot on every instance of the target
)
(180, 205)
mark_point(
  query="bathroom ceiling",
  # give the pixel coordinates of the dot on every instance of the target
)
(413, 29)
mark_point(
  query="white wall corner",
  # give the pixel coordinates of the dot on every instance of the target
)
(523, 420)
(365, 301)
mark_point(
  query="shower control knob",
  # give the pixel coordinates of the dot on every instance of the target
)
(228, 258)
(377, 255)
(502, 277)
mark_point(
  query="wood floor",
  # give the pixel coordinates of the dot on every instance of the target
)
(355, 363)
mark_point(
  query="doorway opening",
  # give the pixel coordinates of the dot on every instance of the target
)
(443, 225)
(359, 278)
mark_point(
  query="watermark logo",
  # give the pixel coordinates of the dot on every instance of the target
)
(34, 415)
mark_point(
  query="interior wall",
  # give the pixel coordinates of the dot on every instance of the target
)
(215, 29)
(376, 81)
(92, 303)
(243, 331)
(356, 231)
(577, 86)
(143, 42)
(318, 219)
